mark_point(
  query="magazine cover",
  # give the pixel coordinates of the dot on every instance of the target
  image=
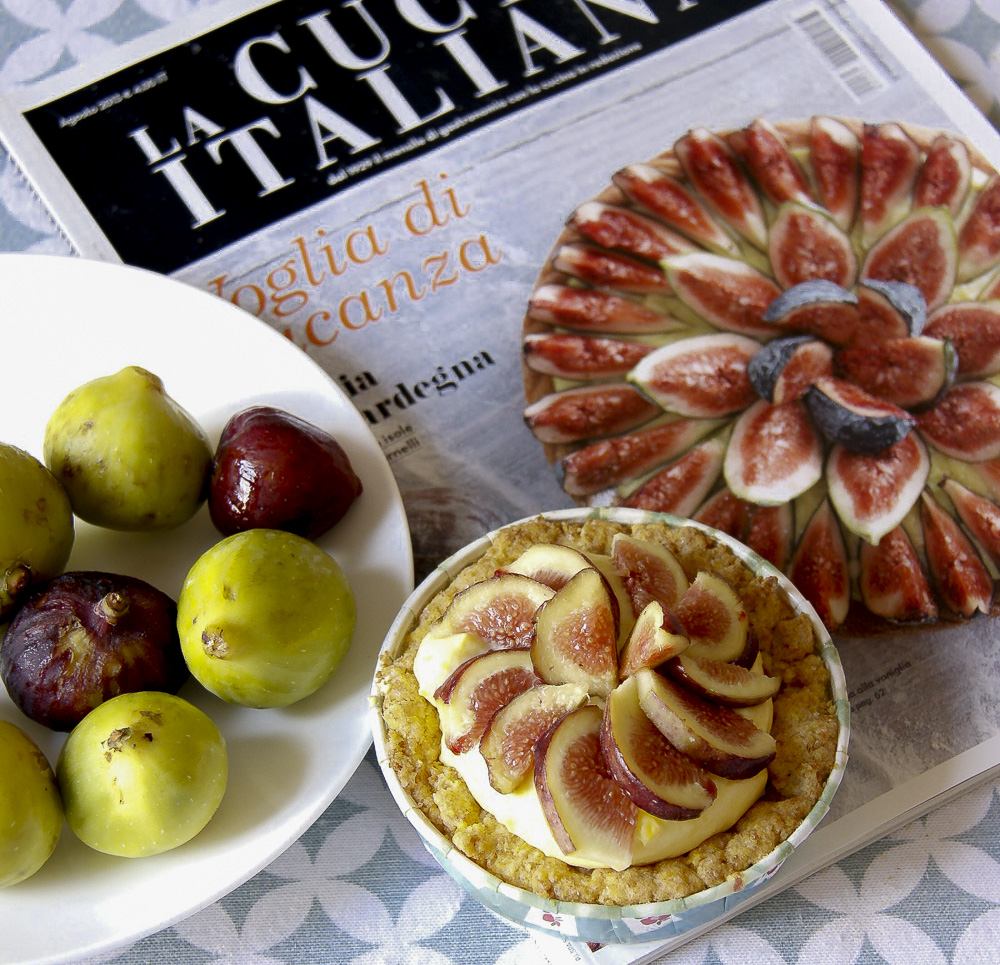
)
(383, 183)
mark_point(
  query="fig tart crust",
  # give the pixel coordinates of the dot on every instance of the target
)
(805, 727)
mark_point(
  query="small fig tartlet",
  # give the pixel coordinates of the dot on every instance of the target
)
(611, 708)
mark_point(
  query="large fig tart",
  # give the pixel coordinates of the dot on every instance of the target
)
(791, 332)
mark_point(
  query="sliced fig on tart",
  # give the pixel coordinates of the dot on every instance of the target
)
(657, 636)
(476, 689)
(920, 251)
(945, 175)
(965, 422)
(892, 580)
(873, 494)
(649, 571)
(890, 164)
(600, 267)
(682, 485)
(584, 358)
(889, 309)
(959, 573)
(500, 611)
(712, 615)
(908, 372)
(609, 463)
(622, 228)
(576, 635)
(774, 453)
(721, 740)
(806, 244)
(850, 417)
(722, 681)
(973, 328)
(783, 369)
(726, 512)
(717, 176)
(979, 234)
(727, 293)
(820, 308)
(588, 309)
(588, 412)
(673, 203)
(656, 776)
(701, 378)
(771, 163)
(507, 742)
(550, 563)
(819, 567)
(771, 533)
(981, 517)
(835, 159)
(581, 800)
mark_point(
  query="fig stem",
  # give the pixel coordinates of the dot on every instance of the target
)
(16, 581)
(214, 643)
(113, 606)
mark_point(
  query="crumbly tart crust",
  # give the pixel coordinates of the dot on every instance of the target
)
(880, 165)
(805, 727)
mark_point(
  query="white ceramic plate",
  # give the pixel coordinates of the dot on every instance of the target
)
(65, 321)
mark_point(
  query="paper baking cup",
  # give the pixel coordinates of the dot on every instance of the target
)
(594, 922)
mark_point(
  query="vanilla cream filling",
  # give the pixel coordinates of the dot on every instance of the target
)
(521, 811)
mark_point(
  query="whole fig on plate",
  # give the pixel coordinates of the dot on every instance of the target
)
(129, 456)
(86, 637)
(273, 470)
(36, 526)
(142, 774)
(31, 812)
(265, 618)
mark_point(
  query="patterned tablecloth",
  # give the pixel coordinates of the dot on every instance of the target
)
(358, 887)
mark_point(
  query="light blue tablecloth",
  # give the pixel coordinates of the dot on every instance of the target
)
(357, 887)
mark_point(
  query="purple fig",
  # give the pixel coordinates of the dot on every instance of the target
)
(85, 637)
(273, 470)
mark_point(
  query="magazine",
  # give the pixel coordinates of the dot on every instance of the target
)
(381, 182)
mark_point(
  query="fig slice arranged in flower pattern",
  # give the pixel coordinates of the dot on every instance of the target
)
(509, 738)
(657, 636)
(649, 571)
(580, 798)
(477, 688)
(980, 516)
(575, 639)
(722, 681)
(721, 740)
(657, 777)
(871, 298)
(715, 620)
(500, 611)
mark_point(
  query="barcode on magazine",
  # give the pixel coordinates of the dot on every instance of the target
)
(839, 52)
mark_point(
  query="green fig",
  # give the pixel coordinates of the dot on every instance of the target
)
(129, 456)
(31, 811)
(265, 617)
(36, 526)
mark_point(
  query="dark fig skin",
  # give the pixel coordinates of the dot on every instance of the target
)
(273, 470)
(85, 637)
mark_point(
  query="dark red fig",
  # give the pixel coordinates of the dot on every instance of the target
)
(965, 423)
(820, 308)
(908, 372)
(766, 154)
(273, 470)
(979, 237)
(945, 176)
(770, 533)
(856, 420)
(980, 515)
(85, 637)
(726, 512)
(890, 163)
(889, 309)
